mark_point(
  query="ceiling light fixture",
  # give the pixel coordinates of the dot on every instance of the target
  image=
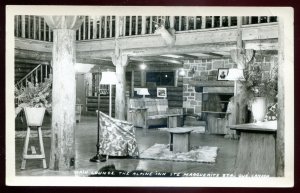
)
(143, 66)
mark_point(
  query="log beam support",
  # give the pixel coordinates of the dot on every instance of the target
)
(240, 107)
(120, 61)
(62, 156)
(120, 102)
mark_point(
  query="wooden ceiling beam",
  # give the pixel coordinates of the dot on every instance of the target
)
(33, 55)
(187, 56)
(33, 45)
(213, 54)
(215, 47)
(31, 61)
(266, 52)
(157, 58)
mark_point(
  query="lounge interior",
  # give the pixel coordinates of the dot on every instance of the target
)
(171, 88)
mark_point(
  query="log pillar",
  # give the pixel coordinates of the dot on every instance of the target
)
(120, 61)
(241, 57)
(62, 156)
(120, 102)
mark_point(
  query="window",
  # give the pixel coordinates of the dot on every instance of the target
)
(160, 78)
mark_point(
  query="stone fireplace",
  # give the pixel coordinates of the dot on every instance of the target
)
(201, 78)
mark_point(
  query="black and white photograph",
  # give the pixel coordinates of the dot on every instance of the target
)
(162, 92)
(149, 96)
(222, 73)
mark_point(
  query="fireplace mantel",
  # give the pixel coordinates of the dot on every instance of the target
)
(198, 83)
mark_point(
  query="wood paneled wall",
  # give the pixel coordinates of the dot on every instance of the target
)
(174, 93)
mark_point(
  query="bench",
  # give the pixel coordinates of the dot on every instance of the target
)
(149, 111)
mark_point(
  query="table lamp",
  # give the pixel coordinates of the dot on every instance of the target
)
(235, 74)
(143, 91)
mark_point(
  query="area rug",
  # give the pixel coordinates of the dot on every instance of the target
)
(33, 133)
(203, 154)
(198, 129)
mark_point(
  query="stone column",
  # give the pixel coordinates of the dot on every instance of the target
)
(63, 91)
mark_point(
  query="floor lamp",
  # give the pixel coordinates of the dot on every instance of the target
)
(235, 75)
(110, 79)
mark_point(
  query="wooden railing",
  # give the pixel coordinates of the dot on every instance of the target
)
(96, 27)
(101, 27)
(32, 27)
(37, 75)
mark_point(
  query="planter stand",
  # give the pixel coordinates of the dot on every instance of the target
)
(25, 148)
(33, 156)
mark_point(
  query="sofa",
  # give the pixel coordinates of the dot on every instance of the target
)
(145, 112)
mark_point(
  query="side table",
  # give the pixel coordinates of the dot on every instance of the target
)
(256, 151)
(179, 139)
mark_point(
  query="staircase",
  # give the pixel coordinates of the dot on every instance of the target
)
(31, 72)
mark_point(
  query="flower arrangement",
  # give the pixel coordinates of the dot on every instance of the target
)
(258, 83)
(272, 114)
(38, 95)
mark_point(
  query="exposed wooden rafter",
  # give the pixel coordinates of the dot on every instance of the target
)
(187, 57)
(31, 61)
(158, 59)
(214, 54)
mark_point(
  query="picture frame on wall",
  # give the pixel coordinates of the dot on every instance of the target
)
(222, 73)
(162, 92)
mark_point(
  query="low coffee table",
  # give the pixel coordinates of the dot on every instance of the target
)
(180, 139)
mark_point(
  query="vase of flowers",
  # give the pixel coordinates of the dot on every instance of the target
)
(260, 89)
(34, 99)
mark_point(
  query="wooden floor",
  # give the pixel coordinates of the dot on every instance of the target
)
(86, 148)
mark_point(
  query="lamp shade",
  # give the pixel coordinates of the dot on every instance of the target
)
(235, 74)
(181, 72)
(143, 91)
(83, 68)
(108, 78)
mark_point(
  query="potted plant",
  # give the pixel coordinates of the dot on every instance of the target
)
(260, 89)
(34, 100)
